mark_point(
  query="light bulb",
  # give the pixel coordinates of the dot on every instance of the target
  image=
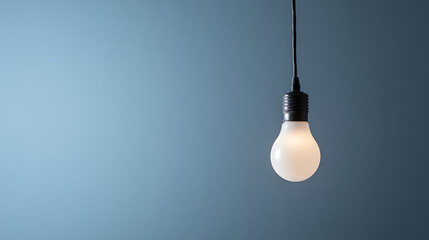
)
(295, 155)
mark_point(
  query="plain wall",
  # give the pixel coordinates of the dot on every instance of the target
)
(155, 119)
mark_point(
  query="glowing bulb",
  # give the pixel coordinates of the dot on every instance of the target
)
(295, 155)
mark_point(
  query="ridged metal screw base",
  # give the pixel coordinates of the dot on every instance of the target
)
(295, 106)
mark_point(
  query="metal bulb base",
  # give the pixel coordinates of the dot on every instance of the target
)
(295, 106)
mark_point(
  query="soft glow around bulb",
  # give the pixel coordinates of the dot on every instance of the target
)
(295, 155)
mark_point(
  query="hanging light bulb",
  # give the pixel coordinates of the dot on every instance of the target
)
(295, 155)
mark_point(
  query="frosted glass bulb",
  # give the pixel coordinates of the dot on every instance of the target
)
(295, 155)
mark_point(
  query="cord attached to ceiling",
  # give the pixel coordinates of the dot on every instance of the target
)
(295, 80)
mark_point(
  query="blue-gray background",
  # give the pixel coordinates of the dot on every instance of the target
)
(155, 119)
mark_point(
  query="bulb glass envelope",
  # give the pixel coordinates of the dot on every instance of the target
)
(295, 155)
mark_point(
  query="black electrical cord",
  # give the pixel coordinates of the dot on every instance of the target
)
(295, 80)
(295, 71)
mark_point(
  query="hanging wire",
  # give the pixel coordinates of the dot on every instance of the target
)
(295, 69)
(296, 86)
